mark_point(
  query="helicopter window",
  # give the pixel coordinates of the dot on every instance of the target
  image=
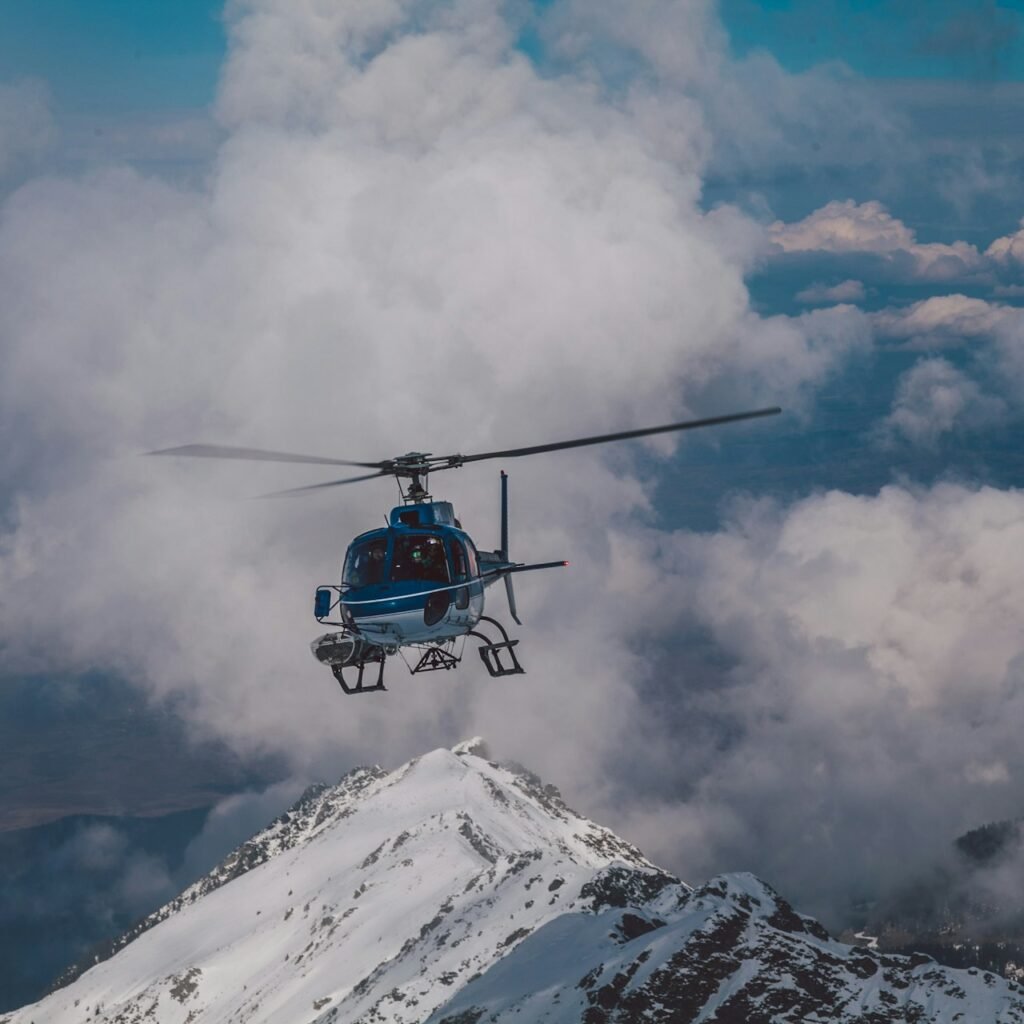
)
(419, 557)
(365, 563)
(471, 558)
(458, 560)
(459, 570)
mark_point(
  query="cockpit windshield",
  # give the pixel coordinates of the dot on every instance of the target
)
(365, 563)
(419, 557)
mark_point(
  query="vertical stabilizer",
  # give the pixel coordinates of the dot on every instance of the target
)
(503, 549)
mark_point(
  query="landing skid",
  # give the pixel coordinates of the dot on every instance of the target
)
(491, 651)
(365, 661)
(360, 685)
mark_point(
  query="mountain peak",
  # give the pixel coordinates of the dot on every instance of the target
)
(455, 888)
(476, 747)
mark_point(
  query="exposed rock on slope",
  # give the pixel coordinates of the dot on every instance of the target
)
(731, 952)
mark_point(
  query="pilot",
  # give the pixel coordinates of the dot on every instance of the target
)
(429, 559)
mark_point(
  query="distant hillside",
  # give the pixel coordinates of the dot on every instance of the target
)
(70, 884)
(969, 910)
(92, 745)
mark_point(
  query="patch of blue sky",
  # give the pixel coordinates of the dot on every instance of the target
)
(530, 41)
(115, 56)
(960, 39)
(839, 447)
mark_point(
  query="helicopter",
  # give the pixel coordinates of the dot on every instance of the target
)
(417, 584)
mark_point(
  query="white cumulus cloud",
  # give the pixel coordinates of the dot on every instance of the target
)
(946, 321)
(848, 227)
(1008, 251)
(933, 399)
(409, 239)
(860, 635)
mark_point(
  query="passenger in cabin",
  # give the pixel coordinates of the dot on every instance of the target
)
(434, 563)
(420, 558)
(366, 564)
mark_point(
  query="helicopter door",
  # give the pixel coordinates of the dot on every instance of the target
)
(460, 572)
(476, 589)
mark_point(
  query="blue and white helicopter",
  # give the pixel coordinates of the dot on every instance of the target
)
(418, 583)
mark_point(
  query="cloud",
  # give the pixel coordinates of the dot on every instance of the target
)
(232, 821)
(989, 773)
(1008, 250)
(933, 399)
(847, 227)
(774, 123)
(97, 847)
(409, 239)
(936, 398)
(820, 293)
(1006, 356)
(942, 321)
(143, 881)
(97, 873)
(758, 120)
(858, 635)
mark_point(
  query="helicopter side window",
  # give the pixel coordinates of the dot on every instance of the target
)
(474, 570)
(458, 560)
(459, 570)
(419, 557)
(365, 563)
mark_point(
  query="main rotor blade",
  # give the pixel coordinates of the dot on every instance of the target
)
(329, 483)
(622, 435)
(219, 451)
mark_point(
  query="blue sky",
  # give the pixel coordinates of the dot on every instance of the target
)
(115, 55)
(115, 59)
(885, 38)
(119, 54)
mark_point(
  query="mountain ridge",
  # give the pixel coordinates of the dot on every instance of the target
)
(455, 889)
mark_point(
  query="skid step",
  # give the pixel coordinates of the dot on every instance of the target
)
(491, 656)
(498, 656)
(360, 686)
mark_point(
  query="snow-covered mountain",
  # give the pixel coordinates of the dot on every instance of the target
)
(455, 890)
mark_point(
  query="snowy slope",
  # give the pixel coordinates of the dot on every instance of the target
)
(732, 952)
(457, 890)
(374, 900)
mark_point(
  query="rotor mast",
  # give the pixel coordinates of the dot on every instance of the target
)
(415, 467)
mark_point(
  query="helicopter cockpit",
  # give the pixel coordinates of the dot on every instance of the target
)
(366, 562)
(418, 557)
